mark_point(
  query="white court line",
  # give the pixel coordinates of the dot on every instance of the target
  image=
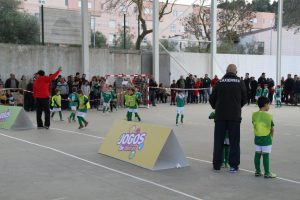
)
(191, 158)
(246, 170)
(102, 166)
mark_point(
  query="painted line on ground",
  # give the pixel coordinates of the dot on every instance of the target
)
(245, 170)
(102, 166)
(191, 158)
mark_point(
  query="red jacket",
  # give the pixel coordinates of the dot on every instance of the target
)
(41, 85)
(197, 86)
(214, 82)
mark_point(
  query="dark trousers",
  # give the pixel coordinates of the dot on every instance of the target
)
(190, 96)
(233, 128)
(152, 97)
(42, 105)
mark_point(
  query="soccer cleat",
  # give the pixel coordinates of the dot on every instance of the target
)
(258, 174)
(270, 175)
(80, 127)
(233, 170)
(85, 124)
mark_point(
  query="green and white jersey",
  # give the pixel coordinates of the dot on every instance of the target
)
(180, 100)
(106, 97)
(278, 93)
(138, 96)
(262, 124)
(265, 92)
(73, 99)
(258, 92)
(113, 94)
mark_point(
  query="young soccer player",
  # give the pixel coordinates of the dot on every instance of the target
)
(226, 146)
(138, 95)
(107, 97)
(56, 104)
(73, 103)
(258, 92)
(264, 131)
(265, 91)
(131, 104)
(113, 102)
(84, 105)
(180, 102)
(278, 96)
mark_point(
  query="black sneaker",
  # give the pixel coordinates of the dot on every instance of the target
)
(46, 127)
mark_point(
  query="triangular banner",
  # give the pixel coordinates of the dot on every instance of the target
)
(145, 145)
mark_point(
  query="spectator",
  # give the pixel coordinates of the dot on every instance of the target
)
(253, 86)
(173, 93)
(262, 79)
(86, 89)
(12, 82)
(196, 91)
(228, 98)
(62, 85)
(247, 82)
(181, 83)
(214, 81)
(190, 83)
(297, 91)
(41, 93)
(29, 103)
(153, 88)
(2, 94)
(23, 83)
(288, 89)
(206, 87)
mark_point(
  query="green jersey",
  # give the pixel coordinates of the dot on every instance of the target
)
(106, 97)
(262, 124)
(258, 92)
(278, 93)
(113, 95)
(265, 92)
(83, 103)
(180, 100)
(130, 101)
(73, 99)
(56, 101)
(138, 96)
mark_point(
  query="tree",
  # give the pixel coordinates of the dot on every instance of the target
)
(261, 5)
(291, 17)
(170, 46)
(15, 26)
(234, 19)
(166, 8)
(100, 39)
(119, 41)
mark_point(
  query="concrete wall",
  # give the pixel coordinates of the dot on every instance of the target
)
(196, 63)
(21, 59)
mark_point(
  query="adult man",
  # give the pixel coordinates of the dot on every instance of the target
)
(247, 84)
(41, 92)
(181, 83)
(153, 88)
(262, 79)
(63, 86)
(12, 82)
(228, 98)
(296, 90)
(206, 87)
(288, 88)
(190, 82)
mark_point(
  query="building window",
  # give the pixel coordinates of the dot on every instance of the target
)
(66, 2)
(112, 24)
(42, 1)
(182, 29)
(173, 28)
(111, 38)
(148, 11)
(89, 4)
(93, 21)
(177, 13)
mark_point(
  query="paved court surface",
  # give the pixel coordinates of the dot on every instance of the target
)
(63, 163)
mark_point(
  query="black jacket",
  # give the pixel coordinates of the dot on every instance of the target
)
(247, 83)
(297, 87)
(228, 98)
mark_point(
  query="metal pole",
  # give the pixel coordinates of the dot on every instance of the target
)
(43, 28)
(213, 44)
(85, 37)
(124, 31)
(279, 41)
(94, 24)
(156, 40)
(139, 27)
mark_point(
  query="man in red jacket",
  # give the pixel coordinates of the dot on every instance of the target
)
(41, 93)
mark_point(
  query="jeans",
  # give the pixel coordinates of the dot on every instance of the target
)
(206, 94)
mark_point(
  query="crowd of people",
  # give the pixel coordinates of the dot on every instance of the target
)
(196, 89)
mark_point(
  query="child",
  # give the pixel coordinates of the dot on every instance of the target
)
(56, 104)
(258, 92)
(107, 97)
(10, 98)
(20, 98)
(263, 130)
(278, 96)
(138, 96)
(113, 102)
(131, 105)
(73, 103)
(226, 146)
(84, 105)
(265, 91)
(180, 102)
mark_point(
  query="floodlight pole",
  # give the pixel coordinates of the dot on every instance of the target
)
(156, 40)
(85, 37)
(213, 44)
(279, 42)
